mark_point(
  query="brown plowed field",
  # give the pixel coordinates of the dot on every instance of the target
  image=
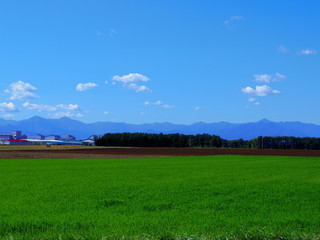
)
(95, 152)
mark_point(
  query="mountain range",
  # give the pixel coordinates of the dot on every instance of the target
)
(39, 125)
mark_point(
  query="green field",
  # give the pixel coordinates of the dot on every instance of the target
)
(214, 197)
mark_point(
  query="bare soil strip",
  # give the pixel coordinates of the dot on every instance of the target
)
(145, 152)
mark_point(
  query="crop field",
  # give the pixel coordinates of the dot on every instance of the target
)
(197, 197)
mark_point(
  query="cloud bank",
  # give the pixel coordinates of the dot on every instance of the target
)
(85, 86)
(232, 19)
(260, 91)
(39, 107)
(50, 108)
(66, 114)
(21, 91)
(266, 78)
(307, 52)
(159, 103)
(8, 107)
(133, 81)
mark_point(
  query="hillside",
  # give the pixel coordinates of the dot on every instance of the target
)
(226, 130)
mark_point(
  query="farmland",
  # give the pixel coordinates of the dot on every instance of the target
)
(62, 152)
(222, 197)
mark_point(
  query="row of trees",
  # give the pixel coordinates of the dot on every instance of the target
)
(204, 140)
(159, 140)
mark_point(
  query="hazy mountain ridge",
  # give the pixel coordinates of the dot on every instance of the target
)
(226, 130)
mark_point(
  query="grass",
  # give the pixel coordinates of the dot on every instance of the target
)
(215, 197)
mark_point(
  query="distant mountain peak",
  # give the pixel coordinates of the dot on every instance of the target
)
(264, 120)
(65, 119)
(35, 118)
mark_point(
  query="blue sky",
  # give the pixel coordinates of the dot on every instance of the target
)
(147, 61)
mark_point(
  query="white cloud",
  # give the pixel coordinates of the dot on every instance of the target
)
(232, 19)
(68, 106)
(8, 115)
(8, 107)
(131, 78)
(197, 108)
(131, 81)
(50, 108)
(106, 113)
(39, 107)
(153, 103)
(307, 52)
(263, 78)
(85, 86)
(283, 49)
(159, 103)
(279, 77)
(236, 18)
(266, 78)
(253, 100)
(139, 88)
(66, 114)
(21, 90)
(167, 106)
(260, 91)
(112, 33)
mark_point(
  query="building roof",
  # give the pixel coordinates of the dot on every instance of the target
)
(17, 140)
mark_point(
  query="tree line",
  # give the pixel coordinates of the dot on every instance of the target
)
(204, 140)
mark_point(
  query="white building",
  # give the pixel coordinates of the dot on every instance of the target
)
(16, 134)
(88, 142)
(69, 137)
(5, 136)
(52, 137)
(37, 136)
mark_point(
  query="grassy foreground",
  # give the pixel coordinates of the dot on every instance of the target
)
(215, 197)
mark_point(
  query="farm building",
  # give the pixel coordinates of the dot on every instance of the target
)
(69, 137)
(54, 142)
(15, 142)
(5, 136)
(88, 142)
(52, 137)
(16, 134)
(94, 137)
(37, 136)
